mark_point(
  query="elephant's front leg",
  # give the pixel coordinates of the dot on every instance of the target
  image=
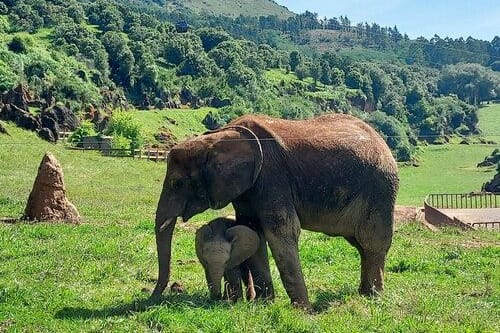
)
(282, 233)
(261, 273)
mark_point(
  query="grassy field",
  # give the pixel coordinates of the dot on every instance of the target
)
(187, 121)
(237, 7)
(60, 277)
(444, 169)
(489, 121)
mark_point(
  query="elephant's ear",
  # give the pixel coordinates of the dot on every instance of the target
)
(244, 243)
(234, 161)
(202, 235)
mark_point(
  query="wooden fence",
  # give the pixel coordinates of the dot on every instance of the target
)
(153, 154)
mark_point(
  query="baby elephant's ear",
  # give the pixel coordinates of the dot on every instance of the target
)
(244, 243)
(202, 235)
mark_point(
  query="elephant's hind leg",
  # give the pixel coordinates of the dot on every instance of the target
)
(372, 273)
(372, 268)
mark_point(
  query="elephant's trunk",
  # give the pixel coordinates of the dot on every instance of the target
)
(214, 277)
(164, 230)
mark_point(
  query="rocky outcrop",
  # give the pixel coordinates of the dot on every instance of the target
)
(47, 200)
(65, 118)
(188, 98)
(47, 135)
(47, 124)
(216, 102)
(166, 138)
(19, 96)
(493, 185)
(22, 118)
(490, 160)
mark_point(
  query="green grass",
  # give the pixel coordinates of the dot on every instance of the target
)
(489, 121)
(237, 7)
(188, 121)
(444, 169)
(60, 277)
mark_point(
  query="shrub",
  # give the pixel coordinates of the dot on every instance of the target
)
(122, 124)
(86, 129)
(7, 78)
(17, 45)
(121, 142)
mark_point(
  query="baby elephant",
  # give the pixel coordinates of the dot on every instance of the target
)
(222, 248)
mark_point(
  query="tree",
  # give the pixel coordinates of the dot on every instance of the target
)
(472, 83)
(326, 75)
(295, 59)
(17, 45)
(240, 75)
(354, 78)
(315, 71)
(337, 77)
(394, 133)
(122, 62)
(211, 37)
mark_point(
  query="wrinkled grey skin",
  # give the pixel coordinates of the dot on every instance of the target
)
(333, 174)
(222, 248)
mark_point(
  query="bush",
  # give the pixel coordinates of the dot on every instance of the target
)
(86, 129)
(17, 45)
(8, 79)
(122, 124)
(121, 142)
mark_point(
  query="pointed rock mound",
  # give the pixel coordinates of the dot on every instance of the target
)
(47, 200)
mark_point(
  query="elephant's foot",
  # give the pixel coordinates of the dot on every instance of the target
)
(303, 305)
(372, 273)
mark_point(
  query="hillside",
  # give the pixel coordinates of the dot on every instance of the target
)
(107, 55)
(233, 8)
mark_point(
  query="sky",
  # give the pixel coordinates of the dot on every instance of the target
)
(452, 18)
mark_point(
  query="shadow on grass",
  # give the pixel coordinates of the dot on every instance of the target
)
(178, 302)
(327, 299)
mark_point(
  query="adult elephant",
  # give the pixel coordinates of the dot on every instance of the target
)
(333, 174)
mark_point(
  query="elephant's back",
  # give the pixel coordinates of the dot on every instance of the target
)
(327, 139)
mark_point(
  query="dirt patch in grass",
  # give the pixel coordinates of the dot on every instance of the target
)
(404, 214)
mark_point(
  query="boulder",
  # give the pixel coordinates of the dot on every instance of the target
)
(100, 120)
(211, 122)
(47, 200)
(493, 185)
(48, 122)
(65, 118)
(19, 96)
(24, 119)
(47, 135)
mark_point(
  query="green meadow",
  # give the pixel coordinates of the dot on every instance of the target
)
(97, 276)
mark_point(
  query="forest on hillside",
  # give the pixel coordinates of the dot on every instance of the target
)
(108, 55)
